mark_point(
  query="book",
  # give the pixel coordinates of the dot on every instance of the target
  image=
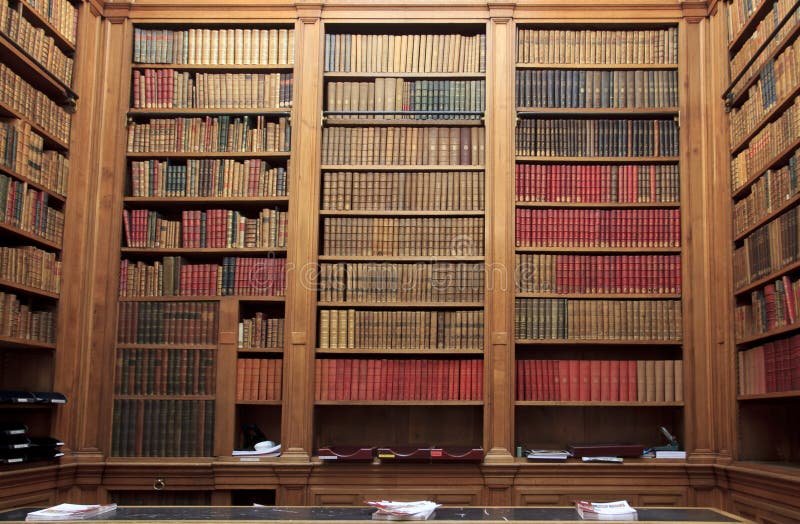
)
(618, 510)
(70, 512)
(548, 454)
(271, 451)
(416, 510)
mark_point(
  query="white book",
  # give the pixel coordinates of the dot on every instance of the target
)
(670, 454)
(70, 511)
(618, 510)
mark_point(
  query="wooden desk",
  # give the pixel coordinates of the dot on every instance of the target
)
(349, 515)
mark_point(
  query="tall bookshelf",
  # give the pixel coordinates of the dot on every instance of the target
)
(763, 114)
(38, 43)
(598, 311)
(203, 271)
(400, 306)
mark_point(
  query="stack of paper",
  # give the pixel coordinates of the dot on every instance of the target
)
(619, 510)
(70, 511)
(417, 510)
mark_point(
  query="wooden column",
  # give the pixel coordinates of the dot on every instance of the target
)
(499, 361)
(298, 381)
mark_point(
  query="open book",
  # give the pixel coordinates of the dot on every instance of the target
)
(417, 510)
(619, 510)
(70, 511)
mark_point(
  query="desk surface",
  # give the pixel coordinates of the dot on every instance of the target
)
(311, 514)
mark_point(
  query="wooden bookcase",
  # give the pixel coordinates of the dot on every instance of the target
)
(202, 281)
(38, 44)
(764, 148)
(598, 316)
(401, 260)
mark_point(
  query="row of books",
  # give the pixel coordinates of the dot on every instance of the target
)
(31, 267)
(40, 46)
(410, 53)
(175, 277)
(207, 46)
(600, 380)
(596, 183)
(162, 428)
(600, 137)
(739, 13)
(597, 46)
(392, 379)
(264, 330)
(379, 236)
(406, 191)
(213, 228)
(457, 146)
(780, 9)
(161, 371)
(651, 274)
(598, 227)
(171, 323)
(777, 79)
(400, 329)
(208, 177)
(223, 134)
(770, 307)
(768, 193)
(258, 378)
(375, 282)
(18, 320)
(765, 146)
(554, 319)
(769, 248)
(596, 88)
(168, 88)
(60, 13)
(398, 94)
(771, 368)
(21, 97)
(27, 209)
(22, 151)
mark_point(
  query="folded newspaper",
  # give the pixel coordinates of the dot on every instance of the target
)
(70, 512)
(416, 510)
(619, 510)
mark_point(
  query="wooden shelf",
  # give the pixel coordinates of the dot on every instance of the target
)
(209, 154)
(217, 201)
(29, 290)
(401, 213)
(402, 305)
(398, 403)
(24, 343)
(768, 217)
(42, 242)
(37, 19)
(144, 396)
(377, 351)
(614, 67)
(339, 121)
(579, 342)
(768, 334)
(201, 251)
(766, 396)
(218, 67)
(600, 159)
(776, 161)
(604, 296)
(610, 250)
(739, 97)
(33, 72)
(599, 205)
(51, 194)
(208, 111)
(448, 76)
(599, 111)
(749, 26)
(408, 258)
(50, 141)
(202, 298)
(597, 403)
(398, 167)
(259, 402)
(164, 345)
(767, 279)
(771, 115)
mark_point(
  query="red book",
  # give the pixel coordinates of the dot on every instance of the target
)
(605, 380)
(622, 373)
(538, 393)
(361, 388)
(266, 378)
(478, 379)
(369, 388)
(594, 373)
(794, 346)
(255, 375)
(574, 380)
(632, 380)
(614, 380)
(769, 363)
(563, 380)
(585, 374)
